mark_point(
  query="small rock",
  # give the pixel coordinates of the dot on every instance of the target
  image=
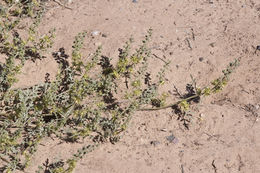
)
(164, 130)
(202, 115)
(134, 1)
(155, 143)
(212, 44)
(98, 44)
(258, 47)
(201, 59)
(104, 35)
(172, 139)
(95, 33)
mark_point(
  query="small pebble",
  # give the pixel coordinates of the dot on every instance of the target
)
(258, 47)
(95, 33)
(212, 44)
(172, 139)
(201, 59)
(202, 115)
(164, 130)
(104, 35)
(135, 1)
(154, 143)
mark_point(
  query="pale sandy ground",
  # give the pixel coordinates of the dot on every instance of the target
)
(226, 139)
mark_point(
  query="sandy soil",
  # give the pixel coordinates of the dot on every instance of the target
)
(200, 37)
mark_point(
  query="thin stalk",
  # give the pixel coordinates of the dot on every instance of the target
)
(170, 105)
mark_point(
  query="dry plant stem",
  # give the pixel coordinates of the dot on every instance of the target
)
(63, 5)
(159, 58)
(169, 106)
(214, 89)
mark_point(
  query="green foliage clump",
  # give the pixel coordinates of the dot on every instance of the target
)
(15, 48)
(77, 104)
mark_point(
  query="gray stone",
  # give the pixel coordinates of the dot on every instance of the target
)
(155, 143)
(172, 139)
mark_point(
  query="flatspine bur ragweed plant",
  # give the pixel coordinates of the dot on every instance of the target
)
(88, 98)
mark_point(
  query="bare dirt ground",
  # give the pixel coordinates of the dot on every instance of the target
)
(200, 37)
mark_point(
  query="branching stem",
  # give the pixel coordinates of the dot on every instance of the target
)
(170, 105)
